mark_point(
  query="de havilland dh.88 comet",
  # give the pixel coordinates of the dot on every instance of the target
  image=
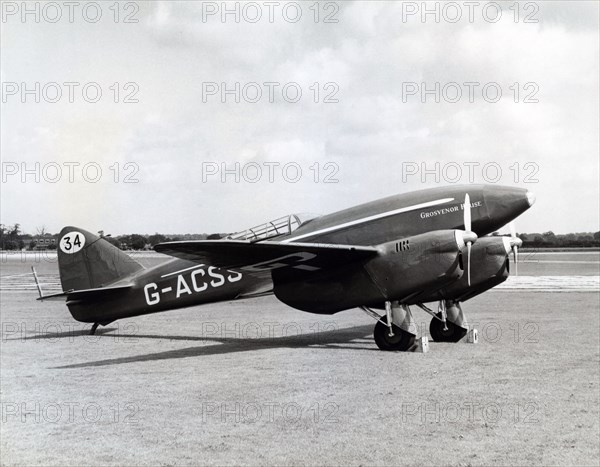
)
(408, 249)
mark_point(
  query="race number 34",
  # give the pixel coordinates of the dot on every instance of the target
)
(72, 242)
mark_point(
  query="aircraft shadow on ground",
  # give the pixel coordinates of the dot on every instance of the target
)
(338, 339)
(62, 335)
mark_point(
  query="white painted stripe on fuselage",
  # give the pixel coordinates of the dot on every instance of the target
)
(369, 219)
(182, 270)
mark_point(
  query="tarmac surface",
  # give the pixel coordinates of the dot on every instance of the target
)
(256, 382)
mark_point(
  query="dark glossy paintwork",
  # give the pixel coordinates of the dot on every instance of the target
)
(163, 288)
(430, 262)
(494, 207)
(417, 275)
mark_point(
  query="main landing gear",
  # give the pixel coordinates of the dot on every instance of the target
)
(445, 332)
(397, 331)
(449, 323)
(397, 339)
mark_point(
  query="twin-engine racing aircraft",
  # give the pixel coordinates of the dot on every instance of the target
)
(408, 249)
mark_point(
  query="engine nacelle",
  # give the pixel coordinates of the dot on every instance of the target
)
(489, 267)
(404, 269)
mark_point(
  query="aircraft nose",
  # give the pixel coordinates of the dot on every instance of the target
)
(505, 203)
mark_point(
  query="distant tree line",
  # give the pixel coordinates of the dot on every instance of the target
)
(147, 242)
(11, 238)
(551, 240)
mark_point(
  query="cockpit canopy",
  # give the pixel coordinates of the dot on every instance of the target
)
(282, 226)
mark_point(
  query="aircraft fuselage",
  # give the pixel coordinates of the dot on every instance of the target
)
(180, 283)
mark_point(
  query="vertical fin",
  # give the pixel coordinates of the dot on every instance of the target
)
(87, 261)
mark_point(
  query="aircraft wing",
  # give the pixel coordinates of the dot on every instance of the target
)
(265, 256)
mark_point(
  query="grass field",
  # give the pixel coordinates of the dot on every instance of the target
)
(255, 382)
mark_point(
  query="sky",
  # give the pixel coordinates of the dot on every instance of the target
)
(192, 117)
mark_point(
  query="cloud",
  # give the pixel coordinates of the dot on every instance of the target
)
(373, 129)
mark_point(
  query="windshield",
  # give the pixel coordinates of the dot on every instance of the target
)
(281, 226)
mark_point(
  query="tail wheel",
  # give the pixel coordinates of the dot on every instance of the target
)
(401, 340)
(454, 333)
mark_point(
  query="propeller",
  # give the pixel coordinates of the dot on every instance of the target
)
(515, 243)
(466, 237)
(467, 219)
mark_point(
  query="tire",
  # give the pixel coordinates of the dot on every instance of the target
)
(401, 341)
(453, 334)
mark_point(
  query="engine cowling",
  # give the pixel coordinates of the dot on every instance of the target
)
(489, 267)
(406, 268)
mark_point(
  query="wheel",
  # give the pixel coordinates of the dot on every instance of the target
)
(401, 339)
(453, 334)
